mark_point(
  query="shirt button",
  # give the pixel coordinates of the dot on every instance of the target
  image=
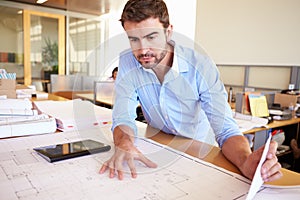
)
(166, 117)
(173, 131)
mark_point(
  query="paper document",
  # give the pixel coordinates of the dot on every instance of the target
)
(257, 181)
(41, 124)
(77, 114)
(258, 105)
(17, 112)
(20, 119)
(15, 104)
(25, 175)
(248, 122)
(38, 95)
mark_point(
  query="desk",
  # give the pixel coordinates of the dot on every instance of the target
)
(214, 155)
(106, 102)
(291, 129)
(25, 175)
(50, 97)
(70, 94)
(260, 134)
(85, 95)
(275, 124)
(34, 183)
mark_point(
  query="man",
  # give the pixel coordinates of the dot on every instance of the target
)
(179, 91)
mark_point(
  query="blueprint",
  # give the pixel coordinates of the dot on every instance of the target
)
(24, 175)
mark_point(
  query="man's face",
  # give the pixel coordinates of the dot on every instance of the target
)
(148, 41)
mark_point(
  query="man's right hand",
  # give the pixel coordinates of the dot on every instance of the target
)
(125, 151)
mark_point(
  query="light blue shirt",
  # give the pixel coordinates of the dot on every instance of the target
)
(191, 101)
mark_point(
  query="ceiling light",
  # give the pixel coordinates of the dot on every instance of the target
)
(41, 1)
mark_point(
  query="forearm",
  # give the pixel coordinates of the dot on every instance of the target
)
(237, 149)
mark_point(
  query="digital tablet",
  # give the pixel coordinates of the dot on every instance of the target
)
(64, 151)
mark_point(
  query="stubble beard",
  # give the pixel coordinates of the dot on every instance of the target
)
(157, 60)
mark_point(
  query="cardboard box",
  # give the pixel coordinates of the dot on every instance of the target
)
(8, 88)
(7, 84)
(286, 100)
(11, 94)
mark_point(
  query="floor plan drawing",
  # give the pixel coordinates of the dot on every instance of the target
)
(25, 175)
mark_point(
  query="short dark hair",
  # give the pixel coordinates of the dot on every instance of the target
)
(139, 10)
(113, 71)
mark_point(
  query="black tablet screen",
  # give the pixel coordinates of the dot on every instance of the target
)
(70, 150)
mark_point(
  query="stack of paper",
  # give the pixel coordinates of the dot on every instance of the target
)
(75, 114)
(29, 92)
(16, 112)
(248, 122)
(17, 118)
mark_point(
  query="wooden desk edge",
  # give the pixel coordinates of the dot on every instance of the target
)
(274, 124)
(214, 155)
(52, 97)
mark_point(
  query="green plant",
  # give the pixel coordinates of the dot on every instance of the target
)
(50, 54)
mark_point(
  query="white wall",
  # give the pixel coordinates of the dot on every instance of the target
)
(183, 16)
(250, 32)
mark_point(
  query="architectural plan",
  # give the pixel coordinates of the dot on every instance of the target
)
(24, 175)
